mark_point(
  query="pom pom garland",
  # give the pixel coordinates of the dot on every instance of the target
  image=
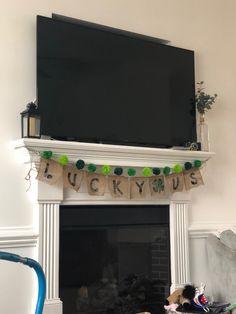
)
(166, 171)
(156, 171)
(46, 154)
(188, 165)
(91, 168)
(106, 169)
(131, 172)
(178, 168)
(63, 160)
(147, 172)
(118, 171)
(80, 164)
(197, 163)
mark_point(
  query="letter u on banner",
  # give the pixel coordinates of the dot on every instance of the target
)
(72, 177)
(96, 184)
(49, 171)
(175, 182)
(118, 186)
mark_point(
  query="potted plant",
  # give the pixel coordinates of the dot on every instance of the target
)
(203, 102)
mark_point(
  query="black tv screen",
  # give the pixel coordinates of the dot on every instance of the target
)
(101, 85)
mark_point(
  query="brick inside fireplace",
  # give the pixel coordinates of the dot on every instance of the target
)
(114, 259)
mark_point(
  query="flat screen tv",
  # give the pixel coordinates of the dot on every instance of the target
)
(101, 85)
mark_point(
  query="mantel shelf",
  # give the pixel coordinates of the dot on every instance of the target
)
(114, 155)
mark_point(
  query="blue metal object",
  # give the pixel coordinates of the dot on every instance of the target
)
(40, 274)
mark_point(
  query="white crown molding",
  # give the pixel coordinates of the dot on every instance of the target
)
(201, 230)
(15, 237)
(117, 155)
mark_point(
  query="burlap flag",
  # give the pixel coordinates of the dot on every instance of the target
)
(139, 187)
(192, 178)
(175, 182)
(157, 186)
(96, 184)
(72, 177)
(118, 186)
(49, 171)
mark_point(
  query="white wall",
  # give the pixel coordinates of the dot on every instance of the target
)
(206, 26)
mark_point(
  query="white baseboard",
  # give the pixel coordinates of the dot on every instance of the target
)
(52, 307)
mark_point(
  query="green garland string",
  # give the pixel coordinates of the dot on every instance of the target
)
(106, 169)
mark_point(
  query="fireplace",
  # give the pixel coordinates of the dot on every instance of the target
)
(114, 259)
(48, 201)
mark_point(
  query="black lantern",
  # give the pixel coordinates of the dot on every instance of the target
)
(30, 121)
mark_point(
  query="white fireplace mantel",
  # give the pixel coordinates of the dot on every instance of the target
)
(116, 155)
(49, 198)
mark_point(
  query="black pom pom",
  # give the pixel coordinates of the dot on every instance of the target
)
(189, 292)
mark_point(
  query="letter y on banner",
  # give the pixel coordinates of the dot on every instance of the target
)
(139, 187)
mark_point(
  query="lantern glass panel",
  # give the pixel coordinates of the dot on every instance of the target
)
(34, 126)
(25, 126)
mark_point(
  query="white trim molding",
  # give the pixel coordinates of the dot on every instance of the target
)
(18, 237)
(201, 230)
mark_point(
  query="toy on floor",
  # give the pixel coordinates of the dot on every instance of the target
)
(187, 299)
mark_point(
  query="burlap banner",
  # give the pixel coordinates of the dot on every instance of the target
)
(192, 178)
(118, 186)
(72, 177)
(50, 171)
(175, 182)
(139, 187)
(96, 184)
(157, 186)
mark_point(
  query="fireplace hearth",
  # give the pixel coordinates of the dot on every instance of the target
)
(114, 259)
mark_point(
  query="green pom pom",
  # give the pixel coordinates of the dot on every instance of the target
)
(47, 154)
(197, 163)
(80, 164)
(156, 171)
(106, 169)
(91, 168)
(188, 165)
(166, 171)
(118, 171)
(63, 160)
(131, 172)
(178, 168)
(147, 172)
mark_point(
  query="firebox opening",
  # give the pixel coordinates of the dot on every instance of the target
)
(114, 259)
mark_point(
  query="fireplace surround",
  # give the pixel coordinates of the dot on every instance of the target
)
(48, 199)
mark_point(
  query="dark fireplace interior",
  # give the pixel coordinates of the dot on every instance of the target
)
(114, 259)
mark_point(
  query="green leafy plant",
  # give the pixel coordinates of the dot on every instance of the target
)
(203, 101)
